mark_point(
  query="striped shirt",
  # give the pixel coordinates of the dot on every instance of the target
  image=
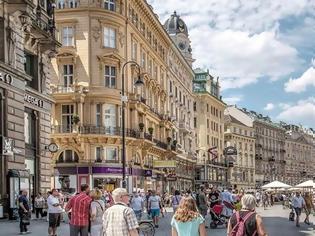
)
(80, 208)
(119, 219)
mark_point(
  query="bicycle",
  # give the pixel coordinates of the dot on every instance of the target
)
(146, 227)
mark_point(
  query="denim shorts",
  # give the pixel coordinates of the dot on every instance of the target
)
(155, 212)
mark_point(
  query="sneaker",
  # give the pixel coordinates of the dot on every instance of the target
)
(28, 232)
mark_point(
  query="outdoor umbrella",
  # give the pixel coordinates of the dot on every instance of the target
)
(276, 184)
(306, 184)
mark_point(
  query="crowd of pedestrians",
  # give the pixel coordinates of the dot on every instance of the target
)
(97, 212)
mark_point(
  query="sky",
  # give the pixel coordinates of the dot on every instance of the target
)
(262, 50)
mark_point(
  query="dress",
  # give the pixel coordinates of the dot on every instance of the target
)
(189, 228)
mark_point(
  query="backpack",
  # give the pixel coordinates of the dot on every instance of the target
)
(197, 200)
(239, 229)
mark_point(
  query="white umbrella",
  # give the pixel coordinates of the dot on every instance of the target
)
(306, 184)
(276, 184)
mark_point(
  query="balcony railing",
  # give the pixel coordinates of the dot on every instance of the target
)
(92, 129)
(63, 89)
(62, 4)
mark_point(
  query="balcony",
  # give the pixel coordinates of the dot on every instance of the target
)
(62, 4)
(107, 161)
(92, 129)
(63, 89)
(185, 127)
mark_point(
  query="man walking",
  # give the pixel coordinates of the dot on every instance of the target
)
(120, 219)
(80, 208)
(154, 205)
(54, 212)
(202, 203)
(298, 204)
(24, 212)
(137, 205)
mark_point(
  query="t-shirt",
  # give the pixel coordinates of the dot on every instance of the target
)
(176, 200)
(97, 208)
(298, 202)
(136, 203)
(189, 228)
(23, 199)
(51, 201)
(155, 202)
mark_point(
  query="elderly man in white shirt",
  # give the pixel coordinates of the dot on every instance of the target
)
(54, 212)
(298, 204)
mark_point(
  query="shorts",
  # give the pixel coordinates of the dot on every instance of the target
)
(54, 220)
(298, 211)
(138, 214)
(155, 212)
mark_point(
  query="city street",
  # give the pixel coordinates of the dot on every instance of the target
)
(275, 219)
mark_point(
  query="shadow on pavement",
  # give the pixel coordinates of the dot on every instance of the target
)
(276, 225)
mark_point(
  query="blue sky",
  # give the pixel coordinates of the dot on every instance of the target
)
(262, 50)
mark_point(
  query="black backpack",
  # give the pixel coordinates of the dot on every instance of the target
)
(197, 200)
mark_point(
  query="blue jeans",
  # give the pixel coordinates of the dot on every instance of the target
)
(138, 214)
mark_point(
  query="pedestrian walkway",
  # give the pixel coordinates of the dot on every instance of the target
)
(275, 219)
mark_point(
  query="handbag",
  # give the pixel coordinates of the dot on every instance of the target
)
(26, 219)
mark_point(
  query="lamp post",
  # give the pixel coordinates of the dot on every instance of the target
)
(124, 99)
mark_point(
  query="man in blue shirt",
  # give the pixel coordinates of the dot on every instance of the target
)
(24, 211)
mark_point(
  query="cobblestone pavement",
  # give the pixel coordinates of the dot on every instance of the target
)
(275, 220)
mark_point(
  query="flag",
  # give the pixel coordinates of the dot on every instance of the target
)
(214, 152)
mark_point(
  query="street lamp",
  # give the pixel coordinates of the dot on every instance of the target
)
(124, 99)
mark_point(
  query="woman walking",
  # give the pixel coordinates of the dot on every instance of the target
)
(97, 210)
(187, 220)
(308, 207)
(39, 205)
(253, 224)
(176, 200)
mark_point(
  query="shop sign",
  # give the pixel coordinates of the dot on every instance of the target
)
(147, 173)
(6, 78)
(33, 100)
(108, 170)
(7, 146)
(171, 178)
(164, 164)
(230, 151)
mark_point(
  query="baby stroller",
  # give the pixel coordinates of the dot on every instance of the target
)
(218, 218)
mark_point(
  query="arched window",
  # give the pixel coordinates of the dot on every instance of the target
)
(68, 156)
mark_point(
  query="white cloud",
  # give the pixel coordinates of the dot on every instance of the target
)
(238, 40)
(232, 100)
(303, 112)
(300, 84)
(269, 107)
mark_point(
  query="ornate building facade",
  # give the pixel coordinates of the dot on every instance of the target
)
(299, 160)
(239, 133)
(98, 39)
(209, 128)
(26, 46)
(269, 149)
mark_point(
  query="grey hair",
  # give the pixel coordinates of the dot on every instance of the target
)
(248, 202)
(118, 193)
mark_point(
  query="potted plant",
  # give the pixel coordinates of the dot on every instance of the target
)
(174, 143)
(141, 127)
(169, 139)
(150, 129)
(75, 119)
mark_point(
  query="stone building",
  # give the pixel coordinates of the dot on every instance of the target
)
(298, 155)
(269, 149)
(209, 129)
(98, 38)
(239, 133)
(27, 43)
